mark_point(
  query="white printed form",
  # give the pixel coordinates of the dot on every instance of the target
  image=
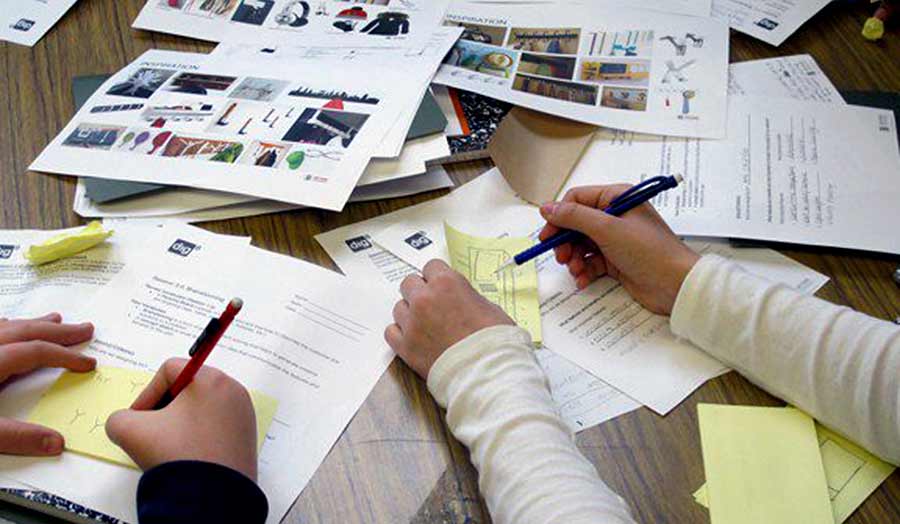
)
(284, 20)
(790, 171)
(27, 21)
(178, 119)
(298, 339)
(634, 69)
(798, 77)
(771, 21)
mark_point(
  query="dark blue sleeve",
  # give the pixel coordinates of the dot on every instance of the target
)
(186, 492)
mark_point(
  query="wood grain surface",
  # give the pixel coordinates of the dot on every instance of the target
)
(397, 462)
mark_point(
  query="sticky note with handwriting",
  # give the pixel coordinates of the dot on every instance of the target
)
(514, 290)
(78, 404)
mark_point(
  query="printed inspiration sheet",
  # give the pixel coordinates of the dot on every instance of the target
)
(172, 118)
(633, 69)
(284, 20)
(27, 21)
(297, 340)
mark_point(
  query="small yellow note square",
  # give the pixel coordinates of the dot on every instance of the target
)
(78, 404)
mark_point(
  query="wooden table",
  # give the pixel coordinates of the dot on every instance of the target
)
(397, 462)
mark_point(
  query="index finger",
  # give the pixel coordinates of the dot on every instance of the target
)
(434, 268)
(599, 197)
(161, 382)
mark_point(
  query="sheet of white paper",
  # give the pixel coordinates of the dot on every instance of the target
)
(633, 69)
(289, 342)
(266, 20)
(27, 21)
(771, 22)
(797, 76)
(790, 171)
(683, 7)
(172, 118)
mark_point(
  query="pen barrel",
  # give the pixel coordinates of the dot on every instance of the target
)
(564, 237)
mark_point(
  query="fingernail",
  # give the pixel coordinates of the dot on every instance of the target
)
(52, 444)
(550, 208)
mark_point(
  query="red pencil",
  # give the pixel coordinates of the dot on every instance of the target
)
(200, 350)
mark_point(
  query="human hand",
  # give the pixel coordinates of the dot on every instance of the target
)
(212, 420)
(438, 309)
(638, 249)
(28, 345)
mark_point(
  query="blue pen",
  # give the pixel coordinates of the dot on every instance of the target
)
(624, 203)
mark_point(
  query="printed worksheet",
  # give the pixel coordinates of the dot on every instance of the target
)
(298, 340)
(284, 20)
(768, 20)
(27, 21)
(798, 77)
(790, 171)
(174, 119)
(632, 69)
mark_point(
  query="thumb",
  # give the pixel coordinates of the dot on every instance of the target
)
(23, 438)
(594, 223)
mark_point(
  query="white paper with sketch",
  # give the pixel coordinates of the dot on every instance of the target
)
(169, 118)
(266, 20)
(633, 69)
(771, 22)
(790, 171)
(633, 341)
(27, 21)
(297, 339)
(797, 76)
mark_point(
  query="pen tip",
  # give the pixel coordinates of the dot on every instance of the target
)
(679, 178)
(236, 303)
(505, 265)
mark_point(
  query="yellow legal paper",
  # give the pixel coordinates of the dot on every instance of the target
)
(852, 474)
(514, 290)
(78, 404)
(67, 244)
(762, 465)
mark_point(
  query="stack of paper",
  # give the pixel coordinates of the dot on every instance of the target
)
(149, 292)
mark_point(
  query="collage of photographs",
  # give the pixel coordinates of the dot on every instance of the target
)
(384, 18)
(593, 68)
(262, 122)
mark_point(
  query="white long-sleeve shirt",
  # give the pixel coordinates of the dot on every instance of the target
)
(841, 367)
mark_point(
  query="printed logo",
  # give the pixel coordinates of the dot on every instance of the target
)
(23, 24)
(767, 24)
(6, 251)
(419, 241)
(182, 248)
(359, 244)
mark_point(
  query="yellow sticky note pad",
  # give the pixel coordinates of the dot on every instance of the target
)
(67, 244)
(852, 474)
(514, 290)
(762, 465)
(78, 404)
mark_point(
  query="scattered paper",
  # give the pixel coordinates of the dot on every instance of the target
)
(515, 290)
(606, 65)
(852, 474)
(762, 465)
(78, 405)
(798, 77)
(27, 21)
(771, 22)
(67, 244)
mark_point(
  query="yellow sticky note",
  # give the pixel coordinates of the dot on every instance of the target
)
(67, 244)
(762, 465)
(852, 474)
(514, 290)
(78, 404)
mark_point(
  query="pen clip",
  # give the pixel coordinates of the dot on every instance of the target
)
(637, 188)
(210, 330)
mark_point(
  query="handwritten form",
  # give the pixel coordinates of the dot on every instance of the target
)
(78, 404)
(762, 465)
(514, 290)
(852, 474)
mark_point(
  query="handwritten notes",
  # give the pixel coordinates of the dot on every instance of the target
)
(514, 290)
(762, 465)
(78, 404)
(852, 474)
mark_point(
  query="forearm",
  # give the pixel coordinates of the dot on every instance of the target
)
(840, 366)
(499, 405)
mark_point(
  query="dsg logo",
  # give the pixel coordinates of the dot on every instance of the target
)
(6, 251)
(182, 248)
(359, 244)
(419, 241)
(23, 24)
